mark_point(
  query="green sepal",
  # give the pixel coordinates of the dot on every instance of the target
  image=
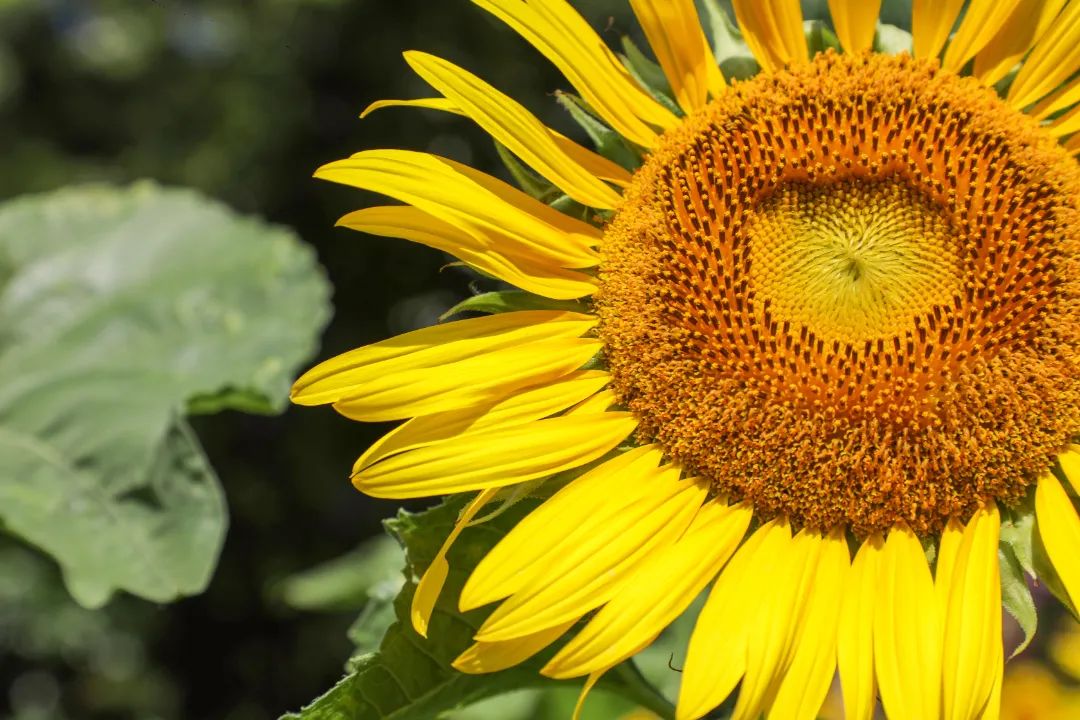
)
(500, 301)
(891, 40)
(734, 56)
(819, 37)
(1016, 596)
(649, 75)
(347, 582)
(608, 143)
(531, 183)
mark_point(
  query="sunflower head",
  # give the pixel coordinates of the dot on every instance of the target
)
(832, 309)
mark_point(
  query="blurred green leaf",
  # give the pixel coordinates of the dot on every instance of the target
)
(732, 53)
(121, 306)
(649, 74)
(819, 37)
(892, 40)
(346, 582)
(608, 143)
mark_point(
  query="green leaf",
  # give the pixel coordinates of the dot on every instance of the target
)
(501, 301)
(124, 309)
(1016, 597)
(608, 143)
(346, 582)
(649, 75)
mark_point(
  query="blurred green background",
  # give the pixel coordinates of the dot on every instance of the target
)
(243, 99)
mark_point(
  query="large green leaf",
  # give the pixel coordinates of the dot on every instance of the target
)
(120, 311)
(410, 677)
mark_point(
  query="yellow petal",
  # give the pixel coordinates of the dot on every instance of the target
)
(855, 635)
(783, 585)
(442, 103)
(1055, 58)
(498, 458)
(948, 549)
(494, 212)
(774, 31)
(516, 265)
(555, 29)
(1073, 144)
(972, 619)
(983, 19)
(1065, 97)
(931, 23)
(586, 576)
(1059, 529)
(585, 690)
(515, 127)
(1017, 34)
(487, 657)
(553, 529)
(469, 381)
(855, 22)
(992, 711)
(1067, 124)
(653, 596)
(1070, 465)
(431, 584)
(522, 407)
(805, 684)
(716, 655)
(349, 374)
(907, 635)
(674, 32)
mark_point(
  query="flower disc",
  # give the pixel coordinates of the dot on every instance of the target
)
(847, 292)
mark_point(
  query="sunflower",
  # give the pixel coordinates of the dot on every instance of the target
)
(807, 336)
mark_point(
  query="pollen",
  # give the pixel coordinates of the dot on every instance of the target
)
(848, 291)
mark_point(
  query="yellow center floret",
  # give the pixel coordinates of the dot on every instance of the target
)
(847, 292)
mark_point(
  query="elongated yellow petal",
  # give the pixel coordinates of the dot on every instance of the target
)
(992, 711)
(1067, 124)
(501, 457)
(716, 655)
(442, 103)
(522, 407)
(485, 657)
(555, 29)
(931, 23)
(515, 127)
(553, 529)
(952, 537)
(1055, 58)
(494, 212)
(1059, 528)
(784, 589)
(855, 634)
(804, 685)
(674, 32)
(1070, 464)
(774, 31)
(522, 267)
(983, 19)
(585, 577)
(1073, 144)
(1017, 34)
(855, 22)
(907, 635)
(654, 595)
(469, 381)
(1065, 97)
(350, 374)
(972, 619)
(431, 584)
(585, 690)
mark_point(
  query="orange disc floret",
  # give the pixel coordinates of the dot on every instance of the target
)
(848, 292)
